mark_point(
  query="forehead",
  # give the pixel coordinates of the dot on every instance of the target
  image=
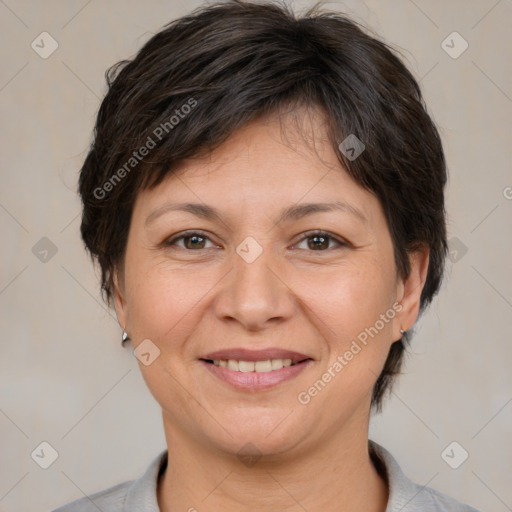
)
(266, 166)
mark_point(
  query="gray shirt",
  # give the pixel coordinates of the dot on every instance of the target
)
(141, 495)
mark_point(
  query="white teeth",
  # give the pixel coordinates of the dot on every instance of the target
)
(246, 366)
(232, 365)
(253, 366)
(263, 366)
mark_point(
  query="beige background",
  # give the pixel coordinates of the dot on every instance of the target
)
(64, 377)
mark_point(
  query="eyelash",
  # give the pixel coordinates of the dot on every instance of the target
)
(309, 234)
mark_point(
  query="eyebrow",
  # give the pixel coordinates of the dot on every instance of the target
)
(294, 212)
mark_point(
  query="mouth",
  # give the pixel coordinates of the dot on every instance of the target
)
(263, 366)
(253, 371)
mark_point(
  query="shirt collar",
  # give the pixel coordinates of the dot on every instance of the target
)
(402, 490)
(142, 494)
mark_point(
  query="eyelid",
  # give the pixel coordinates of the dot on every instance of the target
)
(184, 234)
(307, 234)
(320, 232)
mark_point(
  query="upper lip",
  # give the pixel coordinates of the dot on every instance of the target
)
(242, 354)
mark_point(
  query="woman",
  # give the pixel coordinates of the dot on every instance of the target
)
(264, 197)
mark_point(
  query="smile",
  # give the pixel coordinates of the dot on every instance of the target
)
(255, 375)
(253, 366)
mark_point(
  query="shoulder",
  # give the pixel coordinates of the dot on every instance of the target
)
(437, 501)
(408, 496)
(129, 496)
(109, 500)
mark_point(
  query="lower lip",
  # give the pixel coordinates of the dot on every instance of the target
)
(256, 381)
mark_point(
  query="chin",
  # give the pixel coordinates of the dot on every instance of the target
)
(259, 433)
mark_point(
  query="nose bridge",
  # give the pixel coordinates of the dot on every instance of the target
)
(254, 293)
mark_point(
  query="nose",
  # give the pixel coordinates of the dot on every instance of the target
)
(254, 294)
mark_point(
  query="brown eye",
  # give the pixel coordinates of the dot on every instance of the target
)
(319, 241)
(192, 240)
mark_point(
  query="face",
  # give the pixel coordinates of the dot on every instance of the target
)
(263, 278)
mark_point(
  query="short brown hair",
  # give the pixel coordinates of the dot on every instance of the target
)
(236, 60)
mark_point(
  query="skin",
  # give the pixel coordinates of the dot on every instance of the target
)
(195, 297)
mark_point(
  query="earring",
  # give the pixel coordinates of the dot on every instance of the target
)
(125, 337)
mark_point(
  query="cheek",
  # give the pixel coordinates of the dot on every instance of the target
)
(353, 297)
(358, 306)
(359, 313)
(166, 303)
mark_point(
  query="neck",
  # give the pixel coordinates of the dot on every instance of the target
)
(334, 474)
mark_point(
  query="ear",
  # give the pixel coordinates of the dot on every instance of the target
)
(119, 297)
(409, 290)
